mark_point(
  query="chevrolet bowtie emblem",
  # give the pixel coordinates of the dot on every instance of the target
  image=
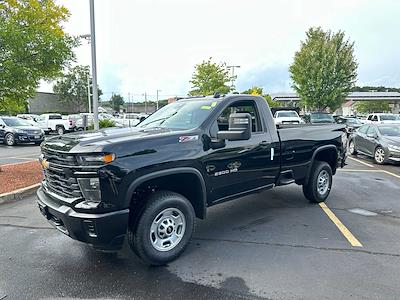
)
(45, 163)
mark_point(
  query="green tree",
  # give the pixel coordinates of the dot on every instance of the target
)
(372, 106)
(258, 91)
(209, 78)
(72, 87)
(33, 46)
(324, 69)
(116, 101)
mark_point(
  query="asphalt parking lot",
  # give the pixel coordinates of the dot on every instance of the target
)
(272, 245)
(18, 153)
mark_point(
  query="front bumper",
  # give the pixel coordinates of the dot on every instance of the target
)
(29, 138)
(104, 231)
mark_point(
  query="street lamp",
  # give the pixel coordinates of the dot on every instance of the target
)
(94, 67)
(233, 74)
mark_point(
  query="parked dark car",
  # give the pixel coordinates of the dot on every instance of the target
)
(15, 130)
(148, 183)
(350, 122)
(380, 141)
(319, 118)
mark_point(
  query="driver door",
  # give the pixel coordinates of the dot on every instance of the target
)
(240, 166)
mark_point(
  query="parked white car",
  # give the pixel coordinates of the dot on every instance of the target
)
(55, 122)
(287, 117)
(382, 118)
(132, 119)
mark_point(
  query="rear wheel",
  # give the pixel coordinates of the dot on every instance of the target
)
(319, 184)
(9, 139)
(352, 148)
(379, 155)
(163, 230)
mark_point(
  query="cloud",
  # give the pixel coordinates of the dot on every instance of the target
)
(145, 45)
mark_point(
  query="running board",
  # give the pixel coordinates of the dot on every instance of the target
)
(286, 177)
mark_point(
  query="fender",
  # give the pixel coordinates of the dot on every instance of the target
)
(162, 173)
(319, 149)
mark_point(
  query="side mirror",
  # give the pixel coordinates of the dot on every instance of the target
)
(240, 125)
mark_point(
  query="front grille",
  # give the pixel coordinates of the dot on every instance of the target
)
(59, 183)
(30, 131)
(59, 158)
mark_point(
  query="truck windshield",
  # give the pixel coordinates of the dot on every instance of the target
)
(322, 118)
(388, 118)
(180, 115)
(287, 114)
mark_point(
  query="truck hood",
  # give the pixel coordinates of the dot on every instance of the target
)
(94, 141)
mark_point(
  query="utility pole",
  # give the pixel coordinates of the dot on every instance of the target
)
(145, 103)
(157, 99)
(88, 93)
(94, 67)
(233, 75)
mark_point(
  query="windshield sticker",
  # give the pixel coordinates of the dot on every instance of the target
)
(188, 138)
(206, 107)
(213, 104)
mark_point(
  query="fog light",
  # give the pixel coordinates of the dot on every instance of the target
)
(90, 188)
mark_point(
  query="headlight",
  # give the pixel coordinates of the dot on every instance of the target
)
(394, 148)
(98, 159)
(19, 131)
(90, 188)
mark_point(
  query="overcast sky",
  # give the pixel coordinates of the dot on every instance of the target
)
(145, 45)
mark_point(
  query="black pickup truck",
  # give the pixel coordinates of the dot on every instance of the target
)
(147, 184)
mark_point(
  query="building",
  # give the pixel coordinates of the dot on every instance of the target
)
(49, 102)
(348, 107)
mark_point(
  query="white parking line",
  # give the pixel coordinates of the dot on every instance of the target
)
(372, 166)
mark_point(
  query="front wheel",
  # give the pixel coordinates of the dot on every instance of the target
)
(379, 155)
(9, 139)
(319, 184)
(164, 229)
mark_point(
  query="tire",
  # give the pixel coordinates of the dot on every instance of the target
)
(320, 182)
(148, 236)
(352, 148)
(379, 155)
(9, 139)
(60, 130)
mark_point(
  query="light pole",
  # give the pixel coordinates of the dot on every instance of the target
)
(157, 99)
(94, 67)
(233, 74)
(88, 91)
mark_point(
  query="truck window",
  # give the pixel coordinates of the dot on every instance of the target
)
(55, 117)
(375, 118)
(246, 106)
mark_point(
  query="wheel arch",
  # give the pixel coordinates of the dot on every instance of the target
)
(186, 181)
(327, 153)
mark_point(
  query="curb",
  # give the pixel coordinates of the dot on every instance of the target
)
(19, 194)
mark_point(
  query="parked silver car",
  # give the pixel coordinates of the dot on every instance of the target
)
(380, 141)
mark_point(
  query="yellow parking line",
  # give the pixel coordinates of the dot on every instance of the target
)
(343, 229)
(361, 162)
